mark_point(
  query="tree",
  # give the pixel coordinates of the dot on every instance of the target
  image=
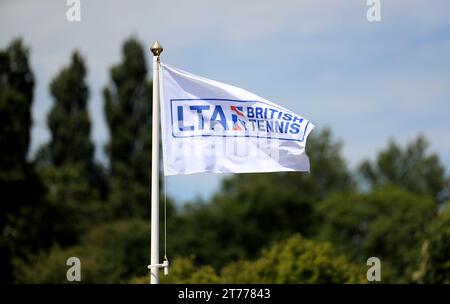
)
(412, 167)
(66, 164)
(388, 223)
(16, 97)
(70, 126)
(109, 253)
(128, 114)
(72, 204)
(435, 259)
(292, 261)
(184, 271)
(68, 120)
(20, 187)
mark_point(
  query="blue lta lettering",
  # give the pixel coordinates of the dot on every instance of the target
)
(237, 119)
(181, 125)
(222, 120)
(199, 110)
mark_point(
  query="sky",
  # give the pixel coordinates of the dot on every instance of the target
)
(368, 81)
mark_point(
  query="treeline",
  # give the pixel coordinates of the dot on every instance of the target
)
(259, 228)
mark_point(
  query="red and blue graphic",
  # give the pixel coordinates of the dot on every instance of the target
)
(238, 124)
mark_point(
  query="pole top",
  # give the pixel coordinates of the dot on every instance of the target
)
(156, 48)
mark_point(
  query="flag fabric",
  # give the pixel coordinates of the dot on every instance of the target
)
(208, 126)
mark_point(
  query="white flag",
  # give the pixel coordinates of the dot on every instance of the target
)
(208, 126)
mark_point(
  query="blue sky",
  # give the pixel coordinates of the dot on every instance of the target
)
(368, 82)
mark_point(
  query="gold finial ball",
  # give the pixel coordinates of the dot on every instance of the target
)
(156, 48)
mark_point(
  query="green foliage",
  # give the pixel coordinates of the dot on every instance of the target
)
(47, 268)
(109, 253)
(292, 261)
(435, 260)
(16, 97)
(71, 199)
(184, 271)
(66, 165)
(411, 167)
(295, 260)
(68, 120)
(388, 223)
(128, 114)
(20, 188)
(113, 253)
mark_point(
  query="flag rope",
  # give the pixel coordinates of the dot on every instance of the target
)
(165, 217)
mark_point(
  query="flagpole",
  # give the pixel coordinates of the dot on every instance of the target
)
(154, 243)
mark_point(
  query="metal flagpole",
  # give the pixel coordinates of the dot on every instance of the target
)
(154, 243)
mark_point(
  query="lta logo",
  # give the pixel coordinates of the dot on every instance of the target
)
(235, 118)
(238, 118)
